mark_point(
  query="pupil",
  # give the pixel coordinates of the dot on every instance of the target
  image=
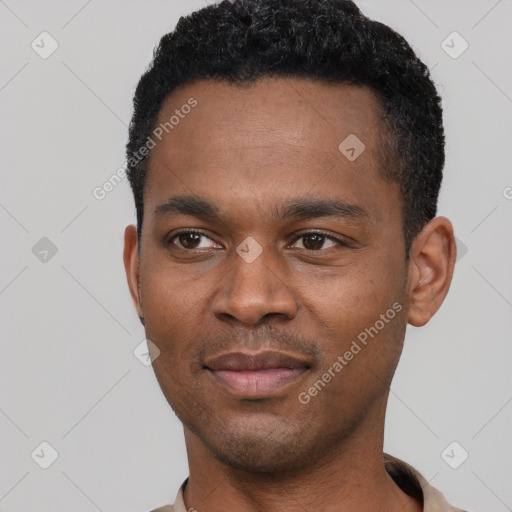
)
(317, 241)
(186, 238)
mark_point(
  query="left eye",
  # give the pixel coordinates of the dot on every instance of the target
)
(190, 240)
(315, 241)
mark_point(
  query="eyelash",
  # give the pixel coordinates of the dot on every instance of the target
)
(169, 241)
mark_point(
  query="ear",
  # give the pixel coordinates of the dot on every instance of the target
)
(431, 264)
(131, 267)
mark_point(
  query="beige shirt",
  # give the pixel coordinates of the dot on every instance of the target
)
(406, 477)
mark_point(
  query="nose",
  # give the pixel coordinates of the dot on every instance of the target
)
(252, 292)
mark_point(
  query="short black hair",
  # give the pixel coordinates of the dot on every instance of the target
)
(239, 41)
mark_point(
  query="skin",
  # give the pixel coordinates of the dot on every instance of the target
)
(248, 151)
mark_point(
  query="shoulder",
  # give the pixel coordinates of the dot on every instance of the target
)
(414, 484)
(179, 504)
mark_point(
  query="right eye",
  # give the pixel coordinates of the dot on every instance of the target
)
(189, 240)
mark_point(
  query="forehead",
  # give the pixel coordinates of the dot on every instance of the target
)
(306, 114)
(275, 137)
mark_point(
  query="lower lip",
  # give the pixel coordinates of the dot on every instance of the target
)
(257, 383)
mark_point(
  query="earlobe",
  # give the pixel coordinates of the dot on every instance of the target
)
(431, 264)
(131, 266)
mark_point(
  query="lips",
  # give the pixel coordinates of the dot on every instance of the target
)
(256, 375)
(239, 361)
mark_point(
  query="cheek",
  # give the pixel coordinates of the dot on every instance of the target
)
(354, 296)
(359, 315)
(174, 310)
(168, 286)
(173, 306)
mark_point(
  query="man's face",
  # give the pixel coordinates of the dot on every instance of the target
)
(261, 157)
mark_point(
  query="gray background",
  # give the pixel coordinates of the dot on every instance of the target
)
(68, 329)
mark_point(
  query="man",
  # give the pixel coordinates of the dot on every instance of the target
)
(285, 158)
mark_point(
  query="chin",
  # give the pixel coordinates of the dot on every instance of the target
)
(271, 448)
(259, 457)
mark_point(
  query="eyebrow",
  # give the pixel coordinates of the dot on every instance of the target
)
(295, 209)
